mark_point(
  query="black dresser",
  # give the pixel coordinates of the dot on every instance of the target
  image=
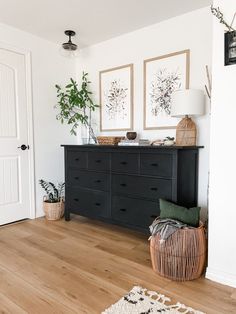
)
(122, 185)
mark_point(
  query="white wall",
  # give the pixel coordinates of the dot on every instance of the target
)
(222, 206)
(48, 68)
(190, 31)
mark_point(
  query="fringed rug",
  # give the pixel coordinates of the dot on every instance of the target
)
(142, 301)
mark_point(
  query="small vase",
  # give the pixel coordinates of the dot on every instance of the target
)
(88, 141)
(169, 143)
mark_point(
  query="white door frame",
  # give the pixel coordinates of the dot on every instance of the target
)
(30, 128)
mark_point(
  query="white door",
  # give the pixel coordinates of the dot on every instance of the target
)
(14, 162)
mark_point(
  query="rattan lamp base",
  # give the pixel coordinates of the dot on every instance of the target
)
(186, 132)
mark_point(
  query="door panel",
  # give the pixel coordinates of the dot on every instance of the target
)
(9, 180)
(8, 127)
(14, 162)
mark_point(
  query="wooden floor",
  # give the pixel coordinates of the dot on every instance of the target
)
(83, 266)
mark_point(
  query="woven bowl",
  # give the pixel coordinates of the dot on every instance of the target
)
(109, 140)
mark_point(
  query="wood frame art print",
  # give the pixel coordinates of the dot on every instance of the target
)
(162, 76)
(116, 98)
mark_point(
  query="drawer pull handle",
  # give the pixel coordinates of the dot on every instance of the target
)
(97, 204)
(97, 181)
(76, 178)
(123, 184)
(153, 216)
(98, 161)
(123, 209)
(76, 159)
(154, 165)
(123, 162)
(76, 199)
(153, 189)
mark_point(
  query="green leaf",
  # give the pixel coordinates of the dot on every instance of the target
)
(69, 85)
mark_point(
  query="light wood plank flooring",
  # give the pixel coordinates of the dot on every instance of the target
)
(83, 266)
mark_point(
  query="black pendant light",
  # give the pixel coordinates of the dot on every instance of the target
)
(69, 49)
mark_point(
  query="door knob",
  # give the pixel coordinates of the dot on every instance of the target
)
(23, 147)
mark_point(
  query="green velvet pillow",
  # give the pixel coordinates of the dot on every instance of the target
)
(189, 216)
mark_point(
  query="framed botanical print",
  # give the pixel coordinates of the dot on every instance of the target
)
(116, 98)
(162, 76)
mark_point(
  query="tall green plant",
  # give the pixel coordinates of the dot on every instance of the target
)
(76, 105)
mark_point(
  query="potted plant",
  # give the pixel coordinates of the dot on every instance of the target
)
(169, 141)
(76, 106)
(53, 201)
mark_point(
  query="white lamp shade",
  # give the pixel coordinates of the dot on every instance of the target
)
(189, 102)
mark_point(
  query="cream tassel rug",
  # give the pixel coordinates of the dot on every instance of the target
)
(142, 301)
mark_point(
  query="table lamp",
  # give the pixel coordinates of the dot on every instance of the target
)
(186, 103)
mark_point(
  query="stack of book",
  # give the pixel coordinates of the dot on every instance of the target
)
(136, 142)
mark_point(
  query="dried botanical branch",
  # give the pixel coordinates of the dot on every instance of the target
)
(208, 93)
(209, 87)
(115, 98)
(209, 80)
(231, 24)
(162, 86)
(219, 15)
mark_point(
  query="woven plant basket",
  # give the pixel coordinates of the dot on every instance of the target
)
(109, 140)
(53, 211)
(182, 256)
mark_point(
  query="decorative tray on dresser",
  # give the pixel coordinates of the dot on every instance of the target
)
(122, 184)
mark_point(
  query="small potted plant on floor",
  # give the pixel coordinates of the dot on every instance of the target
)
(53, 201)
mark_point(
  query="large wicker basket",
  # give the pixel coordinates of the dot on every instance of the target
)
(109, 140)
(54, 211)
(182, 256)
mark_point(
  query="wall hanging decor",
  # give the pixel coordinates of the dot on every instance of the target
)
(230, 36)
(230, 48)
(162, 76)
(116, 98)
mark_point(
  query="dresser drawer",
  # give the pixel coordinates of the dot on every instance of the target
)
(141, 186)
(88, 203)
(156, 164)
(98, 161)
(77, 159)
(125, 162)
(88, 179)
(134, 211)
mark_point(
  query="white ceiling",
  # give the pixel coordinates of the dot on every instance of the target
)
(93, 20)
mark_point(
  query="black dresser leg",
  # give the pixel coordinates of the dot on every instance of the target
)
(67, 216)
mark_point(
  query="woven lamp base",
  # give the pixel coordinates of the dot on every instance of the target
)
(186, 132)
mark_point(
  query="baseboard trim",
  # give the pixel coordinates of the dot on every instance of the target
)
(39, 212)
(221, 277)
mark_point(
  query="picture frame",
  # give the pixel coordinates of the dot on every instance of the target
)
(162, 76)
(230, 48)
(116, 98)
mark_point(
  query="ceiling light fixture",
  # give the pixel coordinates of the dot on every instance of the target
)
(69, 49)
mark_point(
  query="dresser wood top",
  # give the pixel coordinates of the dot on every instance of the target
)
(146, 147)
